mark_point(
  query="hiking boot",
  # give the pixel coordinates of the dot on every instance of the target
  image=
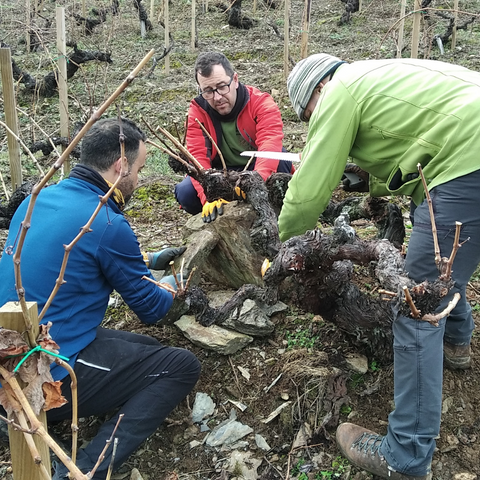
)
(456, 357)
(361, 447)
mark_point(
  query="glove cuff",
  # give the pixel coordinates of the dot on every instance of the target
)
(147, 258)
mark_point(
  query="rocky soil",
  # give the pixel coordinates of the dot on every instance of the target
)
(285, 366)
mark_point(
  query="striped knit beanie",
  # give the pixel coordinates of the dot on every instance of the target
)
(305, 76)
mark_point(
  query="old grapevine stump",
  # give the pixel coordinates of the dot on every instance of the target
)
(222, 250)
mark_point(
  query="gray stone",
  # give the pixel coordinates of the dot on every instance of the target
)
(220, 340)
(261, 442)
(357, 363)
(203, 407)
(227, 433)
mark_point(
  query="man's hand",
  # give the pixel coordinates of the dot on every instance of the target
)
(240, 194)
(161, 260)
(168, 283)
(355, 179)
(211, 210)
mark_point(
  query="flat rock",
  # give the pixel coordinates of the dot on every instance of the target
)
(227, 433)
(218, 339)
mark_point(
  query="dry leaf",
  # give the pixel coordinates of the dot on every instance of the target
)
(53, 395)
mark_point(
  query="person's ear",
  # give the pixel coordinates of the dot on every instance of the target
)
(118, 165)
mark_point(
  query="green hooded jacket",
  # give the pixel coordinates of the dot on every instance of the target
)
(389, 116)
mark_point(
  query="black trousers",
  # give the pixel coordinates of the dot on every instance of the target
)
(136, 373)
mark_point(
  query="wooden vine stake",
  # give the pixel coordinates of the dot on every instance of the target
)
(166, 15)
(306, 28)
(152, 8)
(23, 445)
(286, 29)
(401, 26)
(194, 32)
(11, 117)
(62, 79)
(455, 22)
(416, 29)
(28, 24)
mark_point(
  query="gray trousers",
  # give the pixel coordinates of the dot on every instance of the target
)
(418, 346)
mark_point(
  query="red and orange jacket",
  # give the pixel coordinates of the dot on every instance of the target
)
(259, 123)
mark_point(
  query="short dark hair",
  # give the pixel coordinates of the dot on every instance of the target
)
(100, 147)
(207, 60)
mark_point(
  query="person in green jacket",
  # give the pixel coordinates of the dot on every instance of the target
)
(388, 116)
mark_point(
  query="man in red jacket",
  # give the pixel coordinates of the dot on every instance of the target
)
(238, 117)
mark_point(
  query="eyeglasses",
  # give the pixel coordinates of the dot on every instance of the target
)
(222, 90)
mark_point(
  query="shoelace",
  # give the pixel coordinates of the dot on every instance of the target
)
(368, 443)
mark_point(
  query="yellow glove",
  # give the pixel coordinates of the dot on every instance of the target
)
(240, 193)
(265, 266)
(211, 209)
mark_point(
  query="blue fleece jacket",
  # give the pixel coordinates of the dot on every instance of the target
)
(106, 259)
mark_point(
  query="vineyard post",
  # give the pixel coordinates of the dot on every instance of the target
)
(401, 27)
(62, 78)
(454, 30)
(167, 35)
(11, 117)
(306, 27)
(23, 465)
(286, 29)
(416, 29)
(194, 12)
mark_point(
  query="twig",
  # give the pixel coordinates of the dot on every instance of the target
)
(249, 162)
(181, 148)
(279, 472)
(386, 292)
(190, 278)
(156, 135)
(267, 389)
(184, 141)
(40, 128)
(29, 153)
(456, 246)
(213, 141)
(434, 319)
(432, 217)
(73, 388)
(473, 288)
(172, 154)
(235, 374)
(101, 457)
(165, 286)
(408, 299)
(7, 196)
(114, 451)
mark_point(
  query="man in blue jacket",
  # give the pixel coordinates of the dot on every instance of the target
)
(114, 369)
